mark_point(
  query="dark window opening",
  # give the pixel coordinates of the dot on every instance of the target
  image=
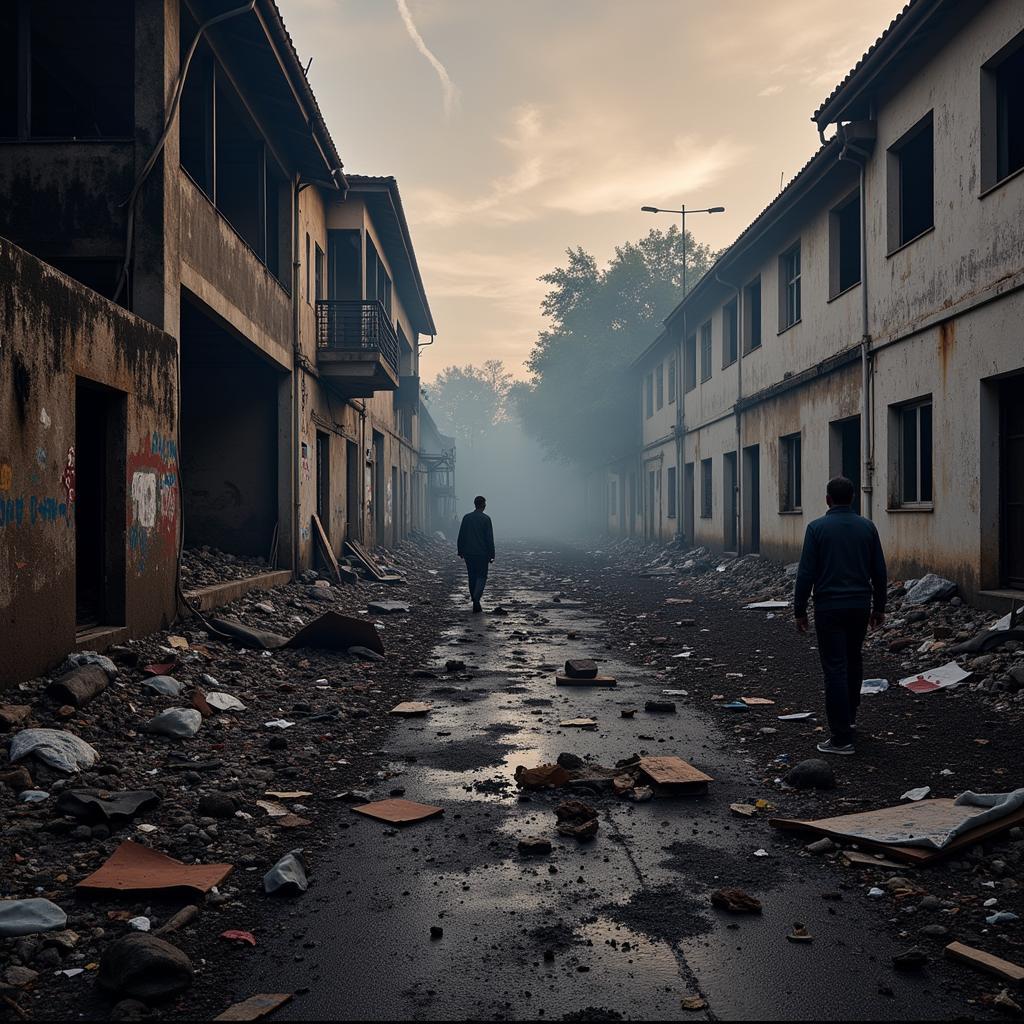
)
(752, 315)
(791, 485)
(9, 70)
(916, 159)
(309, 278)
(915, 456)
(845, 239)
(671, 381)
(673, 497)
(649, 385)
(323, 481)
(789, 286)
(344, 265)
(1010, 115)
(706, 495)
(705, 352)
(318, 272)
(378, 284)
(195, 117)
(659, 378)
(729, 334)
(690, 363)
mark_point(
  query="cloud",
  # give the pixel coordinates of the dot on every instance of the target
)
(451, 93)
(770, 90)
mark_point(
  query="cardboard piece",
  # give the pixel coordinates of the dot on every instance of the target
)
(757, 702)
(132, 867)
(333, 631)
(578, 723)
(255, 1006)
(323, 546)
(865, 828)
(562, 680)
(411, 707)
(398, 811)
(675, 773)
(369, 563)
(857, 859)
(945, 677)
(1001, 968)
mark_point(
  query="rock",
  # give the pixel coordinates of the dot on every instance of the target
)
(544, 776)
(144, 967)
(163, 686)
(17, 779)
(287, 876)
(581, 668)
(19, 977)
(534, 846)
(79, 686)
(576, 819)
(666, 707)
(735, 900)
(13, 715)
(176, 723)
(59, 749)
(224, 701)
(811, 774)
(929, 588)
(78, 659)
(452, 666)
(570, 762)
(910, 959)
(217, 805)
(935, 931)
(28, 917)
(820, 846)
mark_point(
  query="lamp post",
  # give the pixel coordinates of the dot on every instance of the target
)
(680, 427)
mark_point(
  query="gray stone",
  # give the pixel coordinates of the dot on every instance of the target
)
(176, 723)
(811, 774)
(56, 747)
(28, 917)
(217, 805)
(144, 967)
(20, 976)
(163, 686)
(930, 588)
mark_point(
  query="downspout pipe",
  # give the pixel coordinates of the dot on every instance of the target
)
(297, 370)
(681, 443)
(860, 158)
(737, 483)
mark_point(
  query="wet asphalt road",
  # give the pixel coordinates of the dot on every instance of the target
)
(624, 919)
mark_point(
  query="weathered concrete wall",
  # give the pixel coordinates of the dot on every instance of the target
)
(54, 331)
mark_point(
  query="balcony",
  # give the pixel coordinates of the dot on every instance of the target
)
(357, 347)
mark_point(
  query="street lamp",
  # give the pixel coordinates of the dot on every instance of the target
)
(683, 212)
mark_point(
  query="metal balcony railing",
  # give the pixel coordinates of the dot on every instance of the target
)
(354, 325)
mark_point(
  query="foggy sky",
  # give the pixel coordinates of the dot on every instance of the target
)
(518, 129)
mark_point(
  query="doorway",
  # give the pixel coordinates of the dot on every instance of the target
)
(752, 498)
(729, 534)
(395, 500)
(378, 487)
(323, 481)
(844, 453)
(95, 481)
(688, 500)
(1011, 483)
(352, 522)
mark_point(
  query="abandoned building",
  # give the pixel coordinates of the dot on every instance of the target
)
(868, 322)
(232, 358)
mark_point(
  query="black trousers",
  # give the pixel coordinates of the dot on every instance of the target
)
(476, 569)
(841, 635)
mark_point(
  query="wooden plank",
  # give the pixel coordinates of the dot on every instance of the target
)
(1004, 969)
(561, 680)
(672, 771)
(398, 811)
(370, 563)
(324, 546)
(858, 859)
(255, 1006)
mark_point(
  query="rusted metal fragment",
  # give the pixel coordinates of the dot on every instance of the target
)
(133, 867)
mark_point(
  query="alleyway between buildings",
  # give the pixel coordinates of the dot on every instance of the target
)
(449, 918)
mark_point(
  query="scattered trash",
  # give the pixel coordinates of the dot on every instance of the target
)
(675, 774)
(660, 707)
(743, 810)
(288, 876)
(693, 1003)
(398, 811)
(29, 917)
(255, 1007)
(139, 924)
(756, 702)
(800, 934)
(1001, 917)
(874, 893)
(176, 723)
(916, 794)
(770, 606)
(761, 853)
(945, 677)
(987, 962)
(872, 686)
(675, 693)
(544, 776)
(234, 935)
(133, 867)
(735, 705)
(735, 900)
(797, 716)
(278, 723)
(576, 819)
(114, 809)
(412, 708)
(820, 847)
(59, 749)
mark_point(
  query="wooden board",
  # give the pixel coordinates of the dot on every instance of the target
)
(324, 546)
(844, 828)
(868, 860)
(578, 723)
(985, 962)
(411, 707)
(398, 811)
(756, 702)
(561, 680)
(673, 771)
(255, 1006)
(369, 563)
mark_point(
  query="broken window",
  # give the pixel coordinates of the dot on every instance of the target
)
(1002, 113)
(671, 380)
(344, 264)
(309, 295)
(752, 315)
(790, 484)
(705, 351)
(672, 495)
(659, 380)
(844, 246)
(649, 384)
(729, 334)
(67, 70)
(690, 363)
(914, 458)
(911, 184)
(706, 495)
(789, 287)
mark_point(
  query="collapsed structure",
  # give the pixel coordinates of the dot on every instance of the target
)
(866, 323)
(211, 332)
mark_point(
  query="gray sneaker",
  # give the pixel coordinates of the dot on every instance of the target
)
(831, 747)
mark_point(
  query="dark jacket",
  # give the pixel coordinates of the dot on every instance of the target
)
(843, 561)
(476, 537)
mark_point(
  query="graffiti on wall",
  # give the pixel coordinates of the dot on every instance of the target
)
(27, 510)
(389, 505)
(153, 491)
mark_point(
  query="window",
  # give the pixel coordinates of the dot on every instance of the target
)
(729, 334)
(318, 273)
(705, 351)
(914, 459)
(672, 380)
(308, 268)
(67, 69)
(659, 380)
(690, 363)
(790, 474)
(705, 488)
(911, 184)
(844, 246)
(789, 287)
(673, 497)
(752, 315)
(1002, 114)
(378, 284)
(650, 394)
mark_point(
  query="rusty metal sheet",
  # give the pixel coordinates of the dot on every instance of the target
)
(673, 771)
(333, 631)
(398, 811)
(255, 1006)
(134, 867)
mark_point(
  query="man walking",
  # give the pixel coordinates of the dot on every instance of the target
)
(476, 548)
(842, 562)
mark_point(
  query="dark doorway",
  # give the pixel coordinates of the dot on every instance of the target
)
(378, 487)
(352, 477)
(688, 500)
(95, 472)
(1011, 484)
(323, 481)
(729, 533)
(752, 497)
(396, 506)
(844, 445)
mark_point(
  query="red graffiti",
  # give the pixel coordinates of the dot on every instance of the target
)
(152, 487)
(67, 478)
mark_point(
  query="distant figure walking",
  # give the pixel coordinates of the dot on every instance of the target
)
(842, 562)
(476, 548)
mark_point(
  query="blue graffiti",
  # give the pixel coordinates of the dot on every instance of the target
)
(138, 541)
(165, 447)
(36, 510)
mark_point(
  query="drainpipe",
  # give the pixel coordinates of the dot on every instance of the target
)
(681, 439)
(737, 482)
(296, 373)
(860, 158)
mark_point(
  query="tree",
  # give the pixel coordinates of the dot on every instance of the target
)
(580, 402)
(468, 400)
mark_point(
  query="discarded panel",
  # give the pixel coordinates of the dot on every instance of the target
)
(411, 707)
(324, 546)
(757, 702)
(398, 811)
(986, 962)
(333, 631)
(676, 773)
(563, 680)
(255, 1006)
(133, 867)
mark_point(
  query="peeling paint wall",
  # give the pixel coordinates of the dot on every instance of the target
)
(54, 332)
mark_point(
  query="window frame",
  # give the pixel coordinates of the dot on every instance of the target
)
(896, 238)
(730, 316)
(707, 489)
(659, 387)
(649, 395)
(791, 474)
(993, 172)
(319, 267)
(706, 350)
(672, 492)
(899, 500)
(749, 318)
(790, 287)
(690, 364)
(836, 287)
